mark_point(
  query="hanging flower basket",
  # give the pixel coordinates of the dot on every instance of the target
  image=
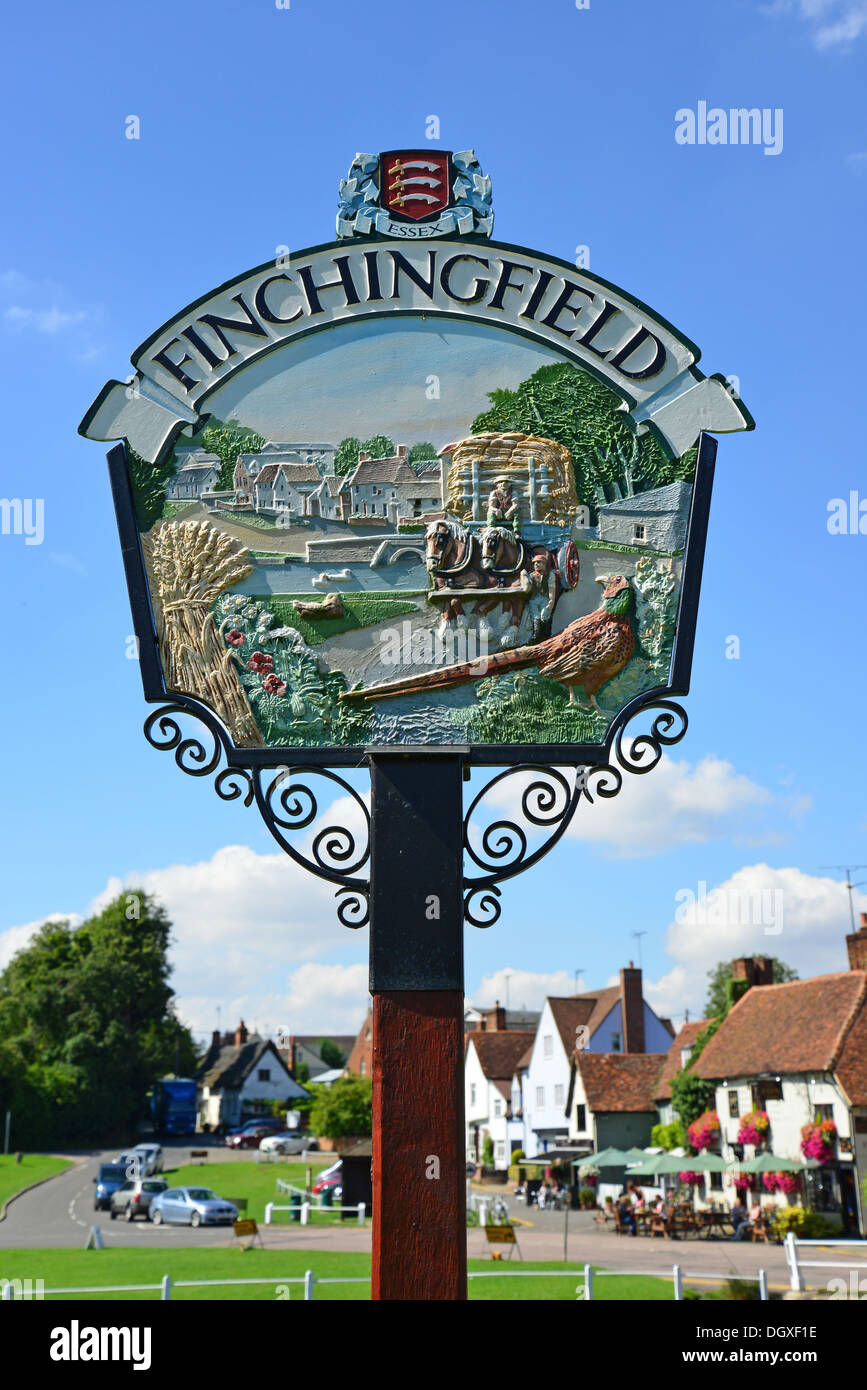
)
(818, 1139)
(771, 1181)
(690, 1179)
(744, 1182)
(705, 1130)
(754, 1128)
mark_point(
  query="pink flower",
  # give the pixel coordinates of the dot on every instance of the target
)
(274, 685)
(260, 663)
(235, 638)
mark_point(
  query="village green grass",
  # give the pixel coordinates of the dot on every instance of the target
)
(87, 1268)
(32, 1168)
(360, 610)
(255, 1181)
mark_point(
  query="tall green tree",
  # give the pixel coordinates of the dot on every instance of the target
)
(421, 453)
(341, 1109)
(227, 441)
(379, 446)
(721, 995)
(87, 1023)
(346, 458)
(331, 1054)
(567, 404)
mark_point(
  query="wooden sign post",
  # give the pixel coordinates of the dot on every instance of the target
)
(421, 501)
(416, 979)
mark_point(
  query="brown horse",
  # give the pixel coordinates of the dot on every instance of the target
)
(453, 556)
(532, 569)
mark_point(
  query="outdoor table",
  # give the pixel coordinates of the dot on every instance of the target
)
(712, 1223)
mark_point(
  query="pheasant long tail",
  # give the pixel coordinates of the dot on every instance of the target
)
(446, 676)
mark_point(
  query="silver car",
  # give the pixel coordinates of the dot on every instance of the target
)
(134, 1197)
(152, 1157)
(192, 1206)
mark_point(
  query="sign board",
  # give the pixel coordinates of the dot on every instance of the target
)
(414, 487)
(245, 1226)
(500, 1235)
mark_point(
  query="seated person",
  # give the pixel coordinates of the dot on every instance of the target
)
(624, 1213)
(739, 1219)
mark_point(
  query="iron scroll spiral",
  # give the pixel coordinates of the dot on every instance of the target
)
(548, 802)
(548, 797)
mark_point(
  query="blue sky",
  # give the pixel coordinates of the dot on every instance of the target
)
(249, 115)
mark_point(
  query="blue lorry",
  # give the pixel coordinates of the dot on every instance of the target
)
(173, 1106)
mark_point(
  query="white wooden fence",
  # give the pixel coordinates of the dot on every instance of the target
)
(796, 1262)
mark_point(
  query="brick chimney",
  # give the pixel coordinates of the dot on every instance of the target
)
(632, 1009)
(240, 1034)
(756, 970)
(216, 1038)
(856, 945)
(493, 1020)
(402, 451)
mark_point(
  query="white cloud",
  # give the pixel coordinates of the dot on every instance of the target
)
(320, 998)
(524, 989)
(677, 803)
(16, 938)
(41, 306)
(833, 23)
(241, 922)
(42, 320)
(800, 918)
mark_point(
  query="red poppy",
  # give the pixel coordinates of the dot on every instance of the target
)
(260, 663)
(235, 638)
(274, 685)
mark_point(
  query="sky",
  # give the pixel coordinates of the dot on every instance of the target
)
(247, 117)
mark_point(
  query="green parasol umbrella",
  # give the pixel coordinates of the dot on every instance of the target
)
(606, 1158)
(705, 1163)
(771, 1163)
(656, 1164)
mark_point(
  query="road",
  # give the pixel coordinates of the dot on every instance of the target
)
(59, 1213)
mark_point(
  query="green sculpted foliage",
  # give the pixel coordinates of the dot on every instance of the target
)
(346, 458)
(564, 403)
(227, 441)
(292, 701)
(148, 481)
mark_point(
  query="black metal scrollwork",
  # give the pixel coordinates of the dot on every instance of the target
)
(505, 846)
(285, 799)
(548, 800)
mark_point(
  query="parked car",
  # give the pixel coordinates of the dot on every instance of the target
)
(135, 1197)
(251, 1138)
(109, 1178)
(287, 1143)
(152, 1155)
(330, 1179)
(192, 1206)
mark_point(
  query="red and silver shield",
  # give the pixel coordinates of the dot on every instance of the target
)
(415, 184)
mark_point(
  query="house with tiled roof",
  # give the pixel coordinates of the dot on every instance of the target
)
(197, 473)
(611, 1102)
(490, 1060)
(615, 1019)
(328, 500)
(390, 488)
(240, 1071)
(286, 486)
(798, 1052)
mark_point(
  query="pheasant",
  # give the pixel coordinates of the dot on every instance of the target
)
(587, 653)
